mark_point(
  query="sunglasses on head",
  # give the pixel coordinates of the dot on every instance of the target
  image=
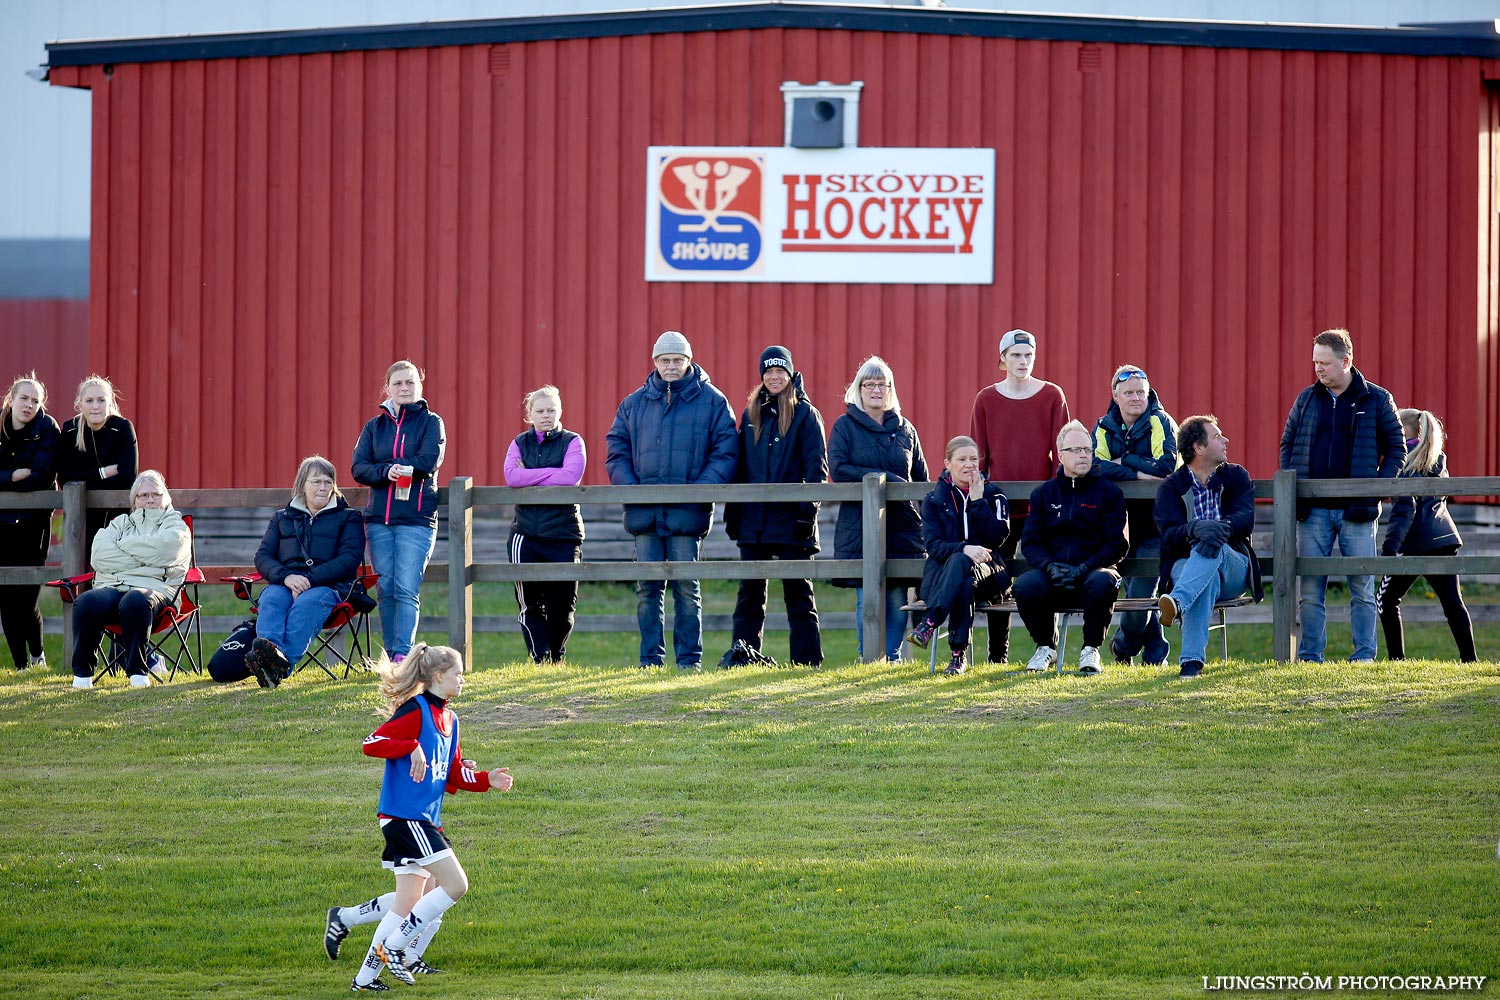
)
(1129, 374)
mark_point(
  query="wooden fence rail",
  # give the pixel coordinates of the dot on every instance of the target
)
(461, 498)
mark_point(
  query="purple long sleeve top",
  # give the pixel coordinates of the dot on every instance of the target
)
(569, 474)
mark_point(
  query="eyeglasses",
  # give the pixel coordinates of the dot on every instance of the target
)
(882, 386)
(1075, 451)
(1130, 373)
(149, 496)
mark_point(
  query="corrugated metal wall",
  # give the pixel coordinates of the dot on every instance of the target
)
(270, 233)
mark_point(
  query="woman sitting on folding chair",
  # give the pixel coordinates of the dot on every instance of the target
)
(140, 560)
(310, 558)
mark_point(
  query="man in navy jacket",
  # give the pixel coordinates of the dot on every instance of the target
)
(677, 428)
(1205, 512)
(1073, 539)
(1340, 427)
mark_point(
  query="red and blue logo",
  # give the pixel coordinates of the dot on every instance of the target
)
(710, 212)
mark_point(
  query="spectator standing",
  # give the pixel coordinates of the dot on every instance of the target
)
(780, 441)
(546, 455)
(398, 456)
(1137, 440)
(98, 448)
(677, 428)
(1015, 424)
(29, 444)
(1422, 526)
(1340, 427)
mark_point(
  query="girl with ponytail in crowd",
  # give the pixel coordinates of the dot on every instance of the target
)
(423, 760)
(28, 464)
(1421, 526)
(98, 449)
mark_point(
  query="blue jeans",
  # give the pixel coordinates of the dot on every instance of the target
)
(1140, 631)
(687, 603)
(1197, 582)
(292, 622)
(399, 553)
(895, 620)
(1315, 537)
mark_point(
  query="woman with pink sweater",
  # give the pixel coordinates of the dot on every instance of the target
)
(546, 455)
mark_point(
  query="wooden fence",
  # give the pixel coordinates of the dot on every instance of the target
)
(462, 498)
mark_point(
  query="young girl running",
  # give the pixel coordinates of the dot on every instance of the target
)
(422, 761)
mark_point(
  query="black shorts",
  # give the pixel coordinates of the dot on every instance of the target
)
(412, 843)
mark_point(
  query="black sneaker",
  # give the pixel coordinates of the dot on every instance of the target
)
(395, 960)
(374, 987)
(922, 634)
(417, 967)
(955, 664)
(262, 663)
(334, 933)
(1190, 668)
(1120, 658)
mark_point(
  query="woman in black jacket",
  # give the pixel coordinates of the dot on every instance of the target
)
(98, 448)
(28, 464)
(310, 558)
(1421, 526)
(780, 441)
(964, 522)
(872, 436)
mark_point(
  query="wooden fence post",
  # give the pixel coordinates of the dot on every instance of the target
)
(461, 565)
(75, 556)
(1284, 560)
(873, 553)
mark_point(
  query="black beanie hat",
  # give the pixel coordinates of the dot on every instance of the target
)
(776, 356)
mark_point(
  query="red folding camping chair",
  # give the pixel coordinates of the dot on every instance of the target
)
(344, 621)
(176, 635)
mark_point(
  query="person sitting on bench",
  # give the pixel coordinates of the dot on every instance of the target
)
(1205, 512)
(964, 522)
(1074, 539)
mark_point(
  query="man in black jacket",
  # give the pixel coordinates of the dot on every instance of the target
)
(1073, 539)
(1205, 512)
(1340, 427)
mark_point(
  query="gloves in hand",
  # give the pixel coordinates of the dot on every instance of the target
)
(1215, 533)
(1059, 573)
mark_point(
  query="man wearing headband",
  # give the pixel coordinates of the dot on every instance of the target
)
(1136, 439)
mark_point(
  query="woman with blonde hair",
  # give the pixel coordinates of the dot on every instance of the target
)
(310, 558)
(99, 447)
(1422, 526)
(140, 560)
(28, 464)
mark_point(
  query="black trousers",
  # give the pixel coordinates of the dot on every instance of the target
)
(1450, 596)
(801, 607)
(133, 610)
(547, 606)
(999, 621)
(1038, 601)
(23, 544)
(952, 588)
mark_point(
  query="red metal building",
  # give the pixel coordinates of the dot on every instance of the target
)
(278, 216)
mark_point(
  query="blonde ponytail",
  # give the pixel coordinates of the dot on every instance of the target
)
(401, 681)
(1430, 440)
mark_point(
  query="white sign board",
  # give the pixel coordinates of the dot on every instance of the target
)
(850, 216)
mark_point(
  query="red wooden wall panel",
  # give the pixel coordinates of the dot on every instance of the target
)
(50, 337)
(270, 233)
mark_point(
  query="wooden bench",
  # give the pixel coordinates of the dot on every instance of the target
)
(1121, 606)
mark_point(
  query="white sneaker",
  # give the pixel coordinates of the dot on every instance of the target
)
(140, 681)
(83, 682)
(1043, 659)
(37, 662)
(1088, 660)
(155, 668)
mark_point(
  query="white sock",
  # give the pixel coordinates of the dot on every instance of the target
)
(424, 938)
(367, 913)
(428, 908)
(372, 964)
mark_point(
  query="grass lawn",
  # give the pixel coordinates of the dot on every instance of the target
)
(856, 831)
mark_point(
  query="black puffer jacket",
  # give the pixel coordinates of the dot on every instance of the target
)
(1376, 450)
(799, 456)
(326, 547)
(33, 447)
(1080, 522)
(858, 445)
(1421, 525)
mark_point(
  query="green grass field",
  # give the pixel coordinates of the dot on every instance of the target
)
(856, 831)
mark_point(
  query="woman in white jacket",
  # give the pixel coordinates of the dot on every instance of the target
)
(140, 560)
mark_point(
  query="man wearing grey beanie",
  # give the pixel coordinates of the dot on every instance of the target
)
(676, 428)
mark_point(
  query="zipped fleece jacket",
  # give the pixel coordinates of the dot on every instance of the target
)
(409, 434)
(1174, 516)
(1376, 449)
(1421, 525)
(146, 548)
(799, 456)
(950, 520)
(672, 432)
(1147, 446)
(326, 547)
(1079, 522)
